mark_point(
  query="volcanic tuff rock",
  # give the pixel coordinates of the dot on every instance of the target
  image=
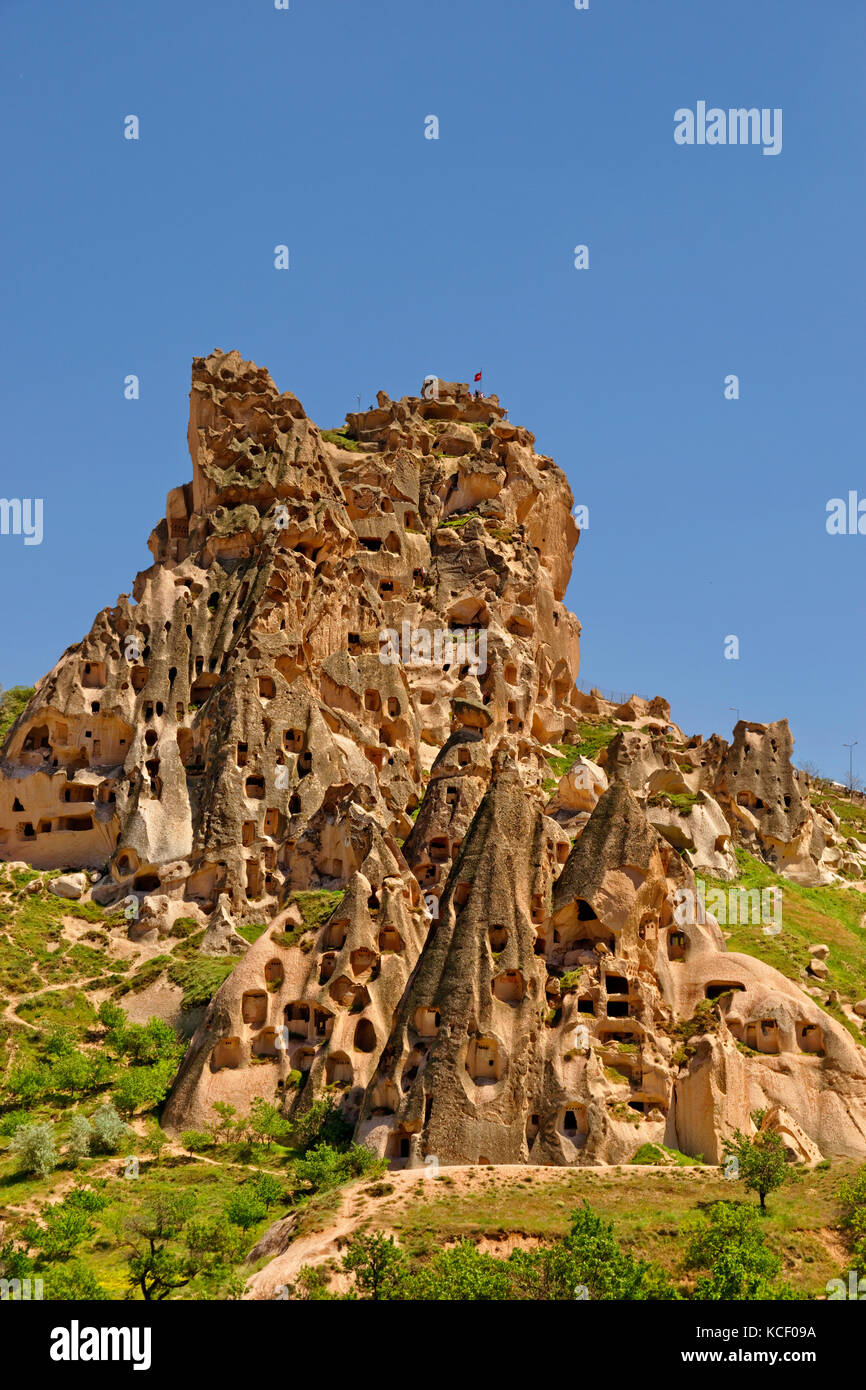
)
(330, 707)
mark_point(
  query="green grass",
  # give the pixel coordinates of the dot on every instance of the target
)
(146, 974)
(33, 951)
(200, 979)
(652, 1154)
(341, 439)
(317, 905)
(459, 520)
(852, 816)
(681, 801)
(568, 756)
(652, 1208)
(67, 1006)
(12, 702)
(595, 735)
(253, 932)
(830, 915)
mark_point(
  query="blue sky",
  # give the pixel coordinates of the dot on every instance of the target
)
(412, 256)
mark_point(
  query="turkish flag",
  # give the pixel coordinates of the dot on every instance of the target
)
(477, 376)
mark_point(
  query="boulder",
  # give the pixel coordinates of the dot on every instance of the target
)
(68, 885)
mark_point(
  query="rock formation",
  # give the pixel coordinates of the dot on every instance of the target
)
(331, 709)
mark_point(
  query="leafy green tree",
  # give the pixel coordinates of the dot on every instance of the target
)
(269, 1189)
(729, 1246)
(60, 1041)
(143, 1088)
(266, 1123)
(378, 1264)
(27, 1083)
(87, 1198)
(72, 1283)
(311, 1285)
(155, 1141)
(245, 1209)
(463, 1273)
(325, 1167)
(12, 1120)
(145, 1044)
(215, 1246)
(12, 703)
(62, 1229)
(323, 1123)
(196, 1140)
(762, 1162)
(37, 1152)
(15, 1263)
(114, 1019)
(587, 1263)
(225, 1125)
(62, 1226)
(157, 1268)
(80, 1073)
(852, 1195)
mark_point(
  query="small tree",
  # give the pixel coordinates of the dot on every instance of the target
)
(852, 1195)
(268, 1189)
(27, 1083)
(762, 1162)
(266, 1124)
(155, 1141)
(245, 1209)
(73, 1283)
(108, 1129)
(37, 1152)
(143, 1087)
(377, 1263)
(729, 1246)
(80, 1138)
(156, 1267)
(63, 1228)
(225, 1122)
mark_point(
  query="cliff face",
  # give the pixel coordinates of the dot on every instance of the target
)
(329, 708)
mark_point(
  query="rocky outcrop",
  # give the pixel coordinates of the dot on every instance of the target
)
(323, 726)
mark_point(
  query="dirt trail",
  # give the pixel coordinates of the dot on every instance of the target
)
(356, 1207)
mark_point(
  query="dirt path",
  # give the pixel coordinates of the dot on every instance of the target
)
(357, 1206)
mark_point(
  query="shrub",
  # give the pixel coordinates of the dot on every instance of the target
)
(143, 1088)
(321, 1124)
(268, 1189)
(730, 1246)
(197, 1140)
(108, 1130)
(72, 1283)
(80, 1138)
(37, 1152)
(325, 1167)
(378, 1264)
(245, 1209)
(27, 1083)
(11, 1121)
(852, 1195)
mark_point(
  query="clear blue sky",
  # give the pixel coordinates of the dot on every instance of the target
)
(412, 256)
